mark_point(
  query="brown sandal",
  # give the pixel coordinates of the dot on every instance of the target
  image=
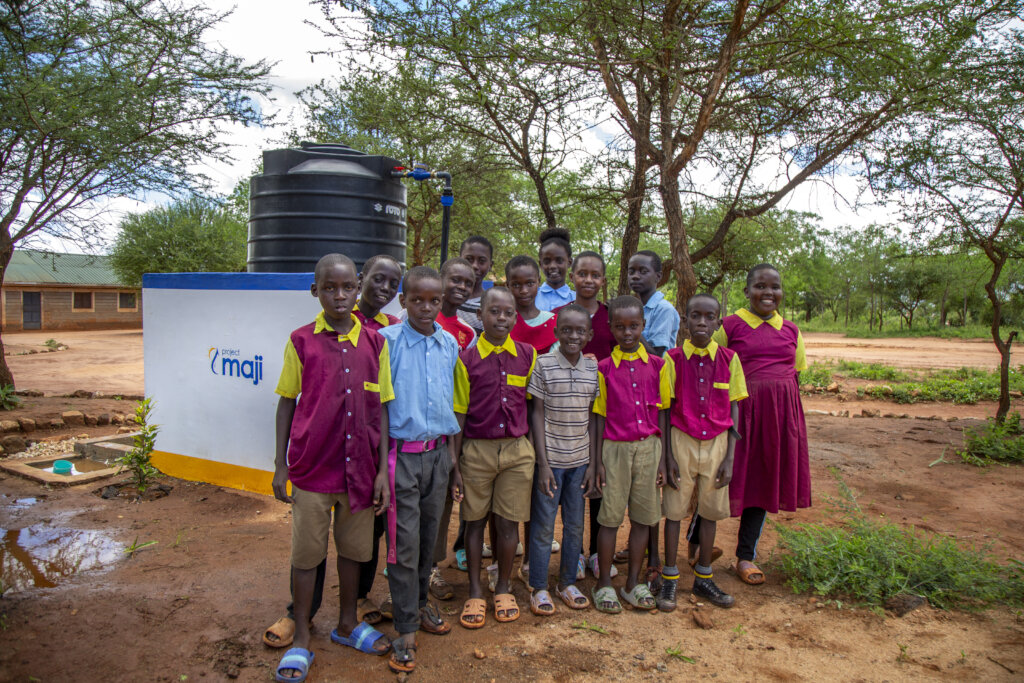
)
(368, 611)
(505, 604)
(283, 630)
(751, 574)
(474, 607)
(432, 622)
(716, 553)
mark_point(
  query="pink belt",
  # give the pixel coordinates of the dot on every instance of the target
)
(407, 447)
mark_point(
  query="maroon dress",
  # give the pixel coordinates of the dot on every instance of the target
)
(772, 469)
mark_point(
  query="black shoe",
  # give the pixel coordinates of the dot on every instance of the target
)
(707, 589)
(666, 598)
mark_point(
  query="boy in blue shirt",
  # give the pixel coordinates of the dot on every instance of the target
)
(421, 454)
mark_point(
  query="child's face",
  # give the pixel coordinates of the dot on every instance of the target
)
(702, 320)
(337, 288)
(573, 332)
(498, 316)
(380, 284)
(458, 284)
(628, 327)
(422, 304)
(588, 277)
(643, 278)
(523, 282)
(765, 292)
(554, 262)
(479, 257)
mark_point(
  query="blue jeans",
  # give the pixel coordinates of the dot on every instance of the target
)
(542, 526)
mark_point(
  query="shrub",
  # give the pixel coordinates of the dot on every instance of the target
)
(818, 375)
(8, 399)
(965, 385)
(874, 371)
(867, 561)
(137, 459)
(994, 443)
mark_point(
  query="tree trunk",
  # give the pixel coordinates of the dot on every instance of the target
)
(942, 307)
(998, 259)
(725, 298)
(6, 251)
(964, 315)
(634, 211)
(682, 267)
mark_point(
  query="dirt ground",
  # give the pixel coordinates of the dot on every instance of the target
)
(193, 605)
(109, 361)
(910, 353)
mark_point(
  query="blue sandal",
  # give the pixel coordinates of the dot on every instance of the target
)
(296, 659)
(362, 638)
(460, 560)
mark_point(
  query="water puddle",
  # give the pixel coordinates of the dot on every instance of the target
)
(79, 465)
(41, 556)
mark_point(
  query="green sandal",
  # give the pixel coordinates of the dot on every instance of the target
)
(605, 600)
(640, 597)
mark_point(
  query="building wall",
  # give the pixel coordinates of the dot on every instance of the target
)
(59, 314)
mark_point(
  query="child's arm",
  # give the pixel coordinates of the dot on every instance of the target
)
(724, 474)
(381, 486)
(593, 480)
(285, 413)
(456, 450)
(671, 466)
(663, 424)
(545, 479)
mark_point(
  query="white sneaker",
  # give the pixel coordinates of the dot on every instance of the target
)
(519, 548)
(555, 547)
(596, 570)
(487, 551)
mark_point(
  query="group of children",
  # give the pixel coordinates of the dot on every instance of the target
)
(518, 401)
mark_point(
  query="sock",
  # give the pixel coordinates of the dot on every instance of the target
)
(670, 572)
(702, 572)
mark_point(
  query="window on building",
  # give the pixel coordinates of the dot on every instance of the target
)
(82, 301)
(126, 301)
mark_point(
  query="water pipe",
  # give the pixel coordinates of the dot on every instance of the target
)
(420, 172)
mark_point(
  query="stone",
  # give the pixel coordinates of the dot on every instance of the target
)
(103, 419)
(91, 420)
(871, 413)
(9, 426)
(117, 419)
(124, 429)
(951, 418)
(703, 620)
(13, 444)
(1017, 394)
(812, 411)
(833, 388)
(73, 417)
(27, 424)
(31, 393)
(904, 603)
(56, 423)
(80, 393)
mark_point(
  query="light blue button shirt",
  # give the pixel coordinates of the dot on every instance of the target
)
(548, 298)
(661, 322)
(422, 373)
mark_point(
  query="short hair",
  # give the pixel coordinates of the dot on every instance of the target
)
(570, 308)
(621, 303)
(703, 295)
(478, 239)
(377, 258)
(559, 236)
(588, 254)
(455, 261)
(655, 259)
(757, 269)
(519, 262)
(489, 293)
(417, 273)
(328, 260)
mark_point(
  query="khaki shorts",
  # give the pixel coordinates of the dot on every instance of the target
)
(311, 524)
(497, 476)
(631, 479)
(698, 463)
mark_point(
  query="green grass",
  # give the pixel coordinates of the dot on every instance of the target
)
(867, 561)
(8, 399)
(818, 375)
(966, 385)
(994, 443)
(892, 329)
(874, 371)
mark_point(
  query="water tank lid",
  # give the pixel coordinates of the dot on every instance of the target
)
(334, 166)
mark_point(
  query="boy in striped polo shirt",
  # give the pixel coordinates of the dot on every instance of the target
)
(563, 386)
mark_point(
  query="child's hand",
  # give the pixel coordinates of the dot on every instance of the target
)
(457, 486)
(381, 493)
(662, 475)
(591, 356)
(724, 474)
(546, 481)
(599, 480)
(280, 486)
(672, 473)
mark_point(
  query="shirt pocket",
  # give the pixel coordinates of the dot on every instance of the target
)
(721, 385)
(517, 380)
(370, 386)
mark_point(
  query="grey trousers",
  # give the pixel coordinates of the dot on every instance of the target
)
(421, 482)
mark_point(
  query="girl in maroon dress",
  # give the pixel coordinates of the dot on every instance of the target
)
(772, 469)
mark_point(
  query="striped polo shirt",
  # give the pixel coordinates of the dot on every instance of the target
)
(567, 391)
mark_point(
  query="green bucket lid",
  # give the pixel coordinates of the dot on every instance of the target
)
(62, 467)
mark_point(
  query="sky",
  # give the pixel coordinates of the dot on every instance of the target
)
(285, 33)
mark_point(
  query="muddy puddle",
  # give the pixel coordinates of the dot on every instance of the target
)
(43, 556)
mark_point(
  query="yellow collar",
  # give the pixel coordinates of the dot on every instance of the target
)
(352, 336)
(710, 350)
(486, 348)
(755, 320)
(618, 355)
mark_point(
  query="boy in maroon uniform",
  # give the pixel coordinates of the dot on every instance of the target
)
(329, 446)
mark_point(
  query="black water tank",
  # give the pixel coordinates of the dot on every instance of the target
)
(323, 198)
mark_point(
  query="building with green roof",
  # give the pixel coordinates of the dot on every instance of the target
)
(45, 290)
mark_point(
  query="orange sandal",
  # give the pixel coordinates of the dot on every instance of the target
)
(474, 607)
(505, 604)
(716, 553)
(750, 574)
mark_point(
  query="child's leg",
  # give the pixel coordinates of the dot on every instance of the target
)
(693, 535)
(403, 574)
(526, 544)
(639, 535)
(594, 504)
(441, 546)
(751, 526)
(605, 550)
(303, 581)
(474, 548)
(433, 487)
(543, 510)
(348, 585)
(505, 552)
(572, 503)
(318, 591)
(368, 569)
(707, 535)
(671, 542)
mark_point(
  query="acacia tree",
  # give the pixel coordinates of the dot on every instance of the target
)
(107, 98)
(960, 169)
